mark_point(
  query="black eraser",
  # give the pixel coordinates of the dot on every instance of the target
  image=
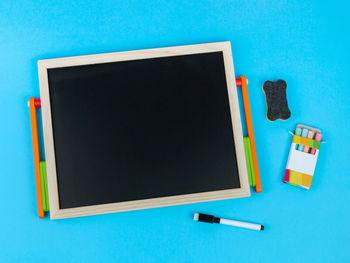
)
(276, 100)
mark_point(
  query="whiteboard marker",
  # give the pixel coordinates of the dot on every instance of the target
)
(212, 219)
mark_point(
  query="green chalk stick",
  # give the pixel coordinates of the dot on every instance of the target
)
(42, 185)
(42, 175)
(251, 163)
(246, 140)
(44, 189)
(246, 149)
(298, 132)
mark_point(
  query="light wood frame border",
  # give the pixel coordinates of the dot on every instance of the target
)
(44, 65)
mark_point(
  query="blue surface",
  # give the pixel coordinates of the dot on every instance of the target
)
(304, 42)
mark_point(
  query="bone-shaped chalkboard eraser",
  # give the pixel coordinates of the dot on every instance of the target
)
(276, 100)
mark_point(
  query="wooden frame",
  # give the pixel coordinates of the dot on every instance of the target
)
(44, 65)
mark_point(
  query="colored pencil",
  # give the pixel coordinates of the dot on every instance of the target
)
(248, 117)
(36, 154)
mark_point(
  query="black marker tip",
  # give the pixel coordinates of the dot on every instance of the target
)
(262, 228)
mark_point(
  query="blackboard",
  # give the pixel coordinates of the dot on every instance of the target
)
(148, 128)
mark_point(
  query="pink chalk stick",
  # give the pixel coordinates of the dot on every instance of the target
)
(318, 137)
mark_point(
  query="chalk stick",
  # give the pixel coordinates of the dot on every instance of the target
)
(42, 186)
(318, 137)
(246, 149)
(303, 134)
(250, 155)
(46, 188)
(45, 194)
(310, 135)
(298, 132)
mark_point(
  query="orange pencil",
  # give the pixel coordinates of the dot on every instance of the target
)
(248, 117)
(36, 153)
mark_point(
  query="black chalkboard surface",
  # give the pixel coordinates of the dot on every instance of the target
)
(140, 129)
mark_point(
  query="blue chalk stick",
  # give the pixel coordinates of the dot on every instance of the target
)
(303, 134)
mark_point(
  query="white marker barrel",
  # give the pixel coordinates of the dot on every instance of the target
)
(240, 224)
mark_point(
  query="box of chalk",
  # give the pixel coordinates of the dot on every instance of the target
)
(303, 156)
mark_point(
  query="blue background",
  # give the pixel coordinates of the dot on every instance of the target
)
(304, 42)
